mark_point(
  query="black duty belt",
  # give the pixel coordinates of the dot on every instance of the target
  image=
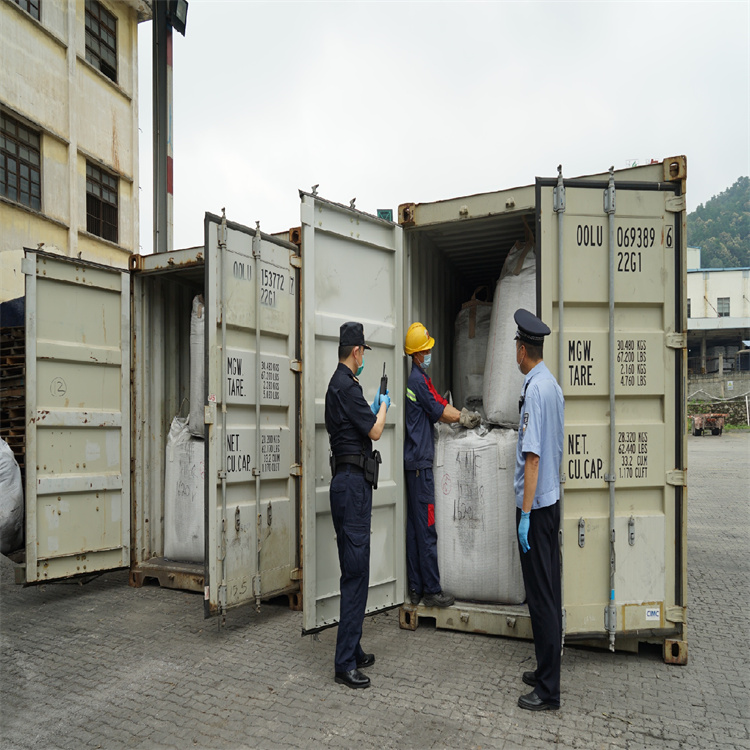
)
(358, 461)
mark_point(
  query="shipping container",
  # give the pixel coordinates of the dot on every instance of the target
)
(107, 373)
(611, 284)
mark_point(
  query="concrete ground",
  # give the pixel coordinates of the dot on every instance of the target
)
(108, 666)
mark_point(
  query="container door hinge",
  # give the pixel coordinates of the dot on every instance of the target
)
(209, 413)
(676, 614)
(558, 193)
(256, 586)
(676, 340)
(295, 260)
(675, 204)
(28, 266)
(296, 574)
(610, 618)
(631, 531)
(223, 597)
(221, 474)
(295, 470)
(295, 365)
(677, 478)
(581, 532)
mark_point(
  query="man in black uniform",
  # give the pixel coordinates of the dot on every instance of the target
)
(352, 425)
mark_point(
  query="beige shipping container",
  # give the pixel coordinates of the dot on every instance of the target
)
(611, 259)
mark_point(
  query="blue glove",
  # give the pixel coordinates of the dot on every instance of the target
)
(385, 399)
(523, 531)
(375, 405)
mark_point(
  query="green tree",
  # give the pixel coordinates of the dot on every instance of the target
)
(721, 228)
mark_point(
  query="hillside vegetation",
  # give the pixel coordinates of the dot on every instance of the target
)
(721, 228)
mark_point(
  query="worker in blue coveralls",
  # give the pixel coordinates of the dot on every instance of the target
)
(424, 407)
(537, 489)
(352, 425)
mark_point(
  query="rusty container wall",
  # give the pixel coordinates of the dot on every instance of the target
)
(472, 235)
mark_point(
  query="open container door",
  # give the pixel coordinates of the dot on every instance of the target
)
(352, 269)
(618, 352)
(252, 522)
(77, 417)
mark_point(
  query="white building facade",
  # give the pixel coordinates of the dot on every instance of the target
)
(68, 131)
(718, 302)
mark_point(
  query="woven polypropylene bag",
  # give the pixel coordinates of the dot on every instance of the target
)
(502, 379)
(475, 514)
(184, 515)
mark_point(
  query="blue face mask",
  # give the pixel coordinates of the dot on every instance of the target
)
(360, 368)
(427, 360)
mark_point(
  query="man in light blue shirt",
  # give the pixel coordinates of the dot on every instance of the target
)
(537, 488)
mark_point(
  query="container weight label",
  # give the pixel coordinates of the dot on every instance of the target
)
(580, 464)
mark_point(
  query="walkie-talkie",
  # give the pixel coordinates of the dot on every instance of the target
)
(383, 382)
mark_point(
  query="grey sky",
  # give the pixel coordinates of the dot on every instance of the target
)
(392, 102)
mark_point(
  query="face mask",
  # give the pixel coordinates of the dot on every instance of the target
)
(518, 364)
(361, 367)
(427, 360)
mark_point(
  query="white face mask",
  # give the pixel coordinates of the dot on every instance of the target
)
(427, 360)
(518, 364)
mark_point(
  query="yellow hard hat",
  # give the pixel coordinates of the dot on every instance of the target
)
(417, 339)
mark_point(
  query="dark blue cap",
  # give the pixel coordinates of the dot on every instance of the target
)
(352, 334)
(530, 328)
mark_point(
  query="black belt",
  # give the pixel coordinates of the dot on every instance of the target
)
(358, 461)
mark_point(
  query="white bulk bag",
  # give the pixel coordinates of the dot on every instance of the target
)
(11, 501)
(184, 519)
(471, 333)
(475, 514)
(197, 367)
(502, 379)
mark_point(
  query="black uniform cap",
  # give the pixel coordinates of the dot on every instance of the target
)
(352, 334)
(530, 328)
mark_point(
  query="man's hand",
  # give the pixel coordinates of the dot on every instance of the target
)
(523, 531)
(469, 419)
(384, 398)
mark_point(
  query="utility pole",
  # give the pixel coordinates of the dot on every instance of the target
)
(167, 14)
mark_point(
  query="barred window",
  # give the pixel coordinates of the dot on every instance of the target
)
(101, 39)
(722, 307)
(30, 6)
(20, 175)
(101, 203)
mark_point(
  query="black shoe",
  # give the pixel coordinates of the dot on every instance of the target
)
(532, 702)
(414, 597)
(367, 660)
(441, 599)
(529, 678)
(353, 679)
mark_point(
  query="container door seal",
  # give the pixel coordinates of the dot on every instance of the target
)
(352, 269)
(77, 417)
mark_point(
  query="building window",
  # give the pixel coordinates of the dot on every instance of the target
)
(722, 307)
(101, 39)
(30, 6)
(688, 307)
(20, 176)
(101, 203)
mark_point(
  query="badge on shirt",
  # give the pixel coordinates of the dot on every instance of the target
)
(525, 421)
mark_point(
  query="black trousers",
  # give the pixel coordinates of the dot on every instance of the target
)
(541, 576)
(351, 508)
